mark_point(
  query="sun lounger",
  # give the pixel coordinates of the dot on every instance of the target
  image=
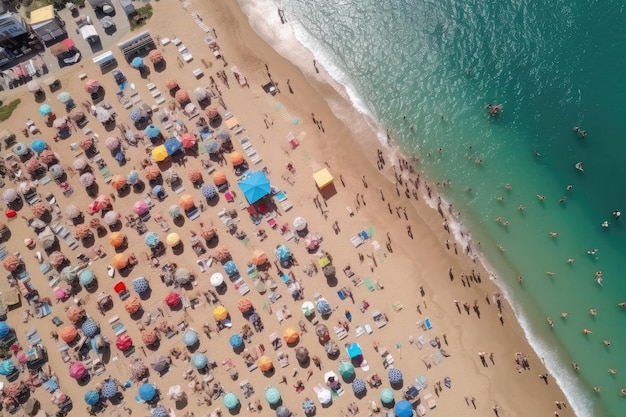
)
(43, 310)
(340, 332)
(33, 337)
(250, 151)
(286, 205)
(274, 297)
(279, 316)
(350, 212)
(356, 241)
(242, 286)
(368, 328)
(119, 328)
(255, 159)
(427, 324)
(359, 331)
(397, 306)
(283, 359)
(64, 351)
(379, 319)
(430, 401)
(245, 142)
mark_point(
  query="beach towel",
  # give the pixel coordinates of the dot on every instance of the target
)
(341, 294)
(369, 285)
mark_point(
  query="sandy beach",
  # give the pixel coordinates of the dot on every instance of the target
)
(410, 272)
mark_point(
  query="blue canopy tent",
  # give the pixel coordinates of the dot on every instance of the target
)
(173, 145)
(255, 186)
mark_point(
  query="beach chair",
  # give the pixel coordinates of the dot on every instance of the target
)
(255, 159)
(65, 354)
(340, 332)
(33, 337)
(271, 222)
(379, 319)
(283, 359)
(427, 324)
(430, 401)
(356, 241)
(250, 151)
(359, 331)
(368, 328)
(279, 316)
(397, 306)
(245, 142)
(286, 205)
(242, 286)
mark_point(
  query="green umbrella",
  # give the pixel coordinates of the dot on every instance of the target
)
(346, 369)
(386, 396)
(230, 400)
(272, 395)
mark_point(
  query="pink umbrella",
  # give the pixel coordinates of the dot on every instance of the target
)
(112, 143)
(47, 156)
(32, 165)
(188, 140)
(77, 370)
(56, 258)
(21, 357)
(60, 293)
(311, 242)
(140, 207)
(123, 342)
(92, 86)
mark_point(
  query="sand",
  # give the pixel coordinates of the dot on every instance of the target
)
(421, 261)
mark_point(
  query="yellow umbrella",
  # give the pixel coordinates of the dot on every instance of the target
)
(159, 153)
(119, 261)
(116, 239)
(172, 239)
(236, 158)
(290, 336)
(220, 313)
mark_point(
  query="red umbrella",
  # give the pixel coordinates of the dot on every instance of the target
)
(123, 342)
(195, 175)
(155, 56)
(182, 96)
(172, 299)
(188, 140)
(85, 143)
(151, 172)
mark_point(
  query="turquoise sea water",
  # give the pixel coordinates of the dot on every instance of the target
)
(552, 65)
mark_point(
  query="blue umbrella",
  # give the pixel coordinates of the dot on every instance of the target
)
(147, 392)
(152, 131)
(120, 157)
(4, 329)
(283, 411)
(403, 408)
(7, 367)
(109, 389)
(223, 135)
(208, 191)
(395, 376)
(199, 360)
(141, 285)
(283, 253)
(137, 115)
(133, 177)
(230, 400)
(255, 186)
(323, 307)
(56, 171)
(173, 145)
(137, 62)
(160, 411)
(272, 395)
(358, 386)
(212, 146)
(236, 341)
(190, 338)
(63, 97)
(90, 328)
(86, 277)
(230, 268)
(92, 397)
(308, 406)
(158, 189)
(45, 109)
(152, 239)
(386, 396)
(38, 145)
(20, 149)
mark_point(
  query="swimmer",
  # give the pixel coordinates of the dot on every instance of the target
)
(521, 207)
(612, 371)
(553, 234)
(587, 331)
(583, 133)
(592, 251)
(520, 279)
(550, 274)
(562, 199)
(622, 305)
(501, 248)
(576, 366)
(593, 311)
(606, 343)
(569, 187)
(541, 197)
(537, 154)
(501, 199)
(599, 281)
(597, 389)
(571, 260)
(507, 186)
(605, 224)
(576, 129)
(564, 314)
(579, 166)
(499, 220)
(550, 322)
(479, 161)
(598, 274)
(622, 392)
(616, 214)
(505, 224)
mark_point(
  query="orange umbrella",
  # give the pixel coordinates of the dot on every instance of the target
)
(82, 231)
(38, 209)
(259, 257)
(195, 175)
(132, 305)
(244, 305)
(291, 336)
(265, 363)
(151, 172)
(219, 178)
(207, 232)
(186, 202)
(188, 140)
(149, 337)
(182, 96)
(85, 143)
(69, 333)
(236, 158)
(171, 83)
(118, 181)
(75, 313)
(119, 261)
(116, 239)
(11, 262)
(155, 56)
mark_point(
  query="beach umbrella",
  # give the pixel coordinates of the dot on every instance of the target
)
(85, 143)
(45, 109)
(199, 360)
(132, 305)
(92, 397)
(109, 389)
(75, 313)
(147, 392)
(190, 338)
(7, 367)
(33, 165)
(244, 305)
(272, 395)
(230, 400)
(140, 207)
(321, 330)
(324, 396)
(33, 86)
(102, 201)
(77, 370)
(87, 179)
(302, 354)
(236, 158)
(223, 135)
(92, 86)
(123, 342)
(173, 145)
(155, 56)
(216, 279)
(152, 239)
(283, 253)
(308, 406)
(346, 369)
(149, 337)
(323, 307)
(21, 357)
(208, 232)
(283, 411)
(60, 123)
(152, 131)
(182, 276)
(395, 376)
(255, 186)
(311, 242)
(119, 261)
(172, 239)
(158, 362)
(118, 181)
(201, 94)
(208, 191)
(221, 253)
(82, 231)
(38, 209)
(68, 333)
(171, 83)
(137, 62)
(120, 157)
(48, 157)
(188, 140)
(186, 202)
(76, 115)
(386, 396)
(212, 112)
(358, 386)
(299, 224)
(195, 175)
(151, 172)
(38, 145)
(403, 408)
(141, 285)
(56, 171)
(230, 268)
(174, 211)
(172, 299)
(236, 341)
(160, 411)
(354, 350)
(212, 146)
(171, 175)
(20, 149)
(159, 153)
(329, 271)
(56, 258)
(181, 96)
(219, 178)
(86, 277)
(112, 143)
(111, 217)
(132, 177)
(69, 273)
(265, 363)
(308, 308)
(220, 313)
(103, 115)
(47, 238)
(137, 115)
(64, 97)
(291, 336)
(9, 196)
(90, 328)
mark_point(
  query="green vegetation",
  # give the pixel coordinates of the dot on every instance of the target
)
(6, 111)
(143, 13)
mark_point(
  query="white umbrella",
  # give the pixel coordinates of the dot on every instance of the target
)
(217, 279)
(299, 224)
(176, 393)
(111, 217)
(87, 179)
(79, 164)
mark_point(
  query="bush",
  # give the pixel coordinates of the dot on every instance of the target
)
(6, 111)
